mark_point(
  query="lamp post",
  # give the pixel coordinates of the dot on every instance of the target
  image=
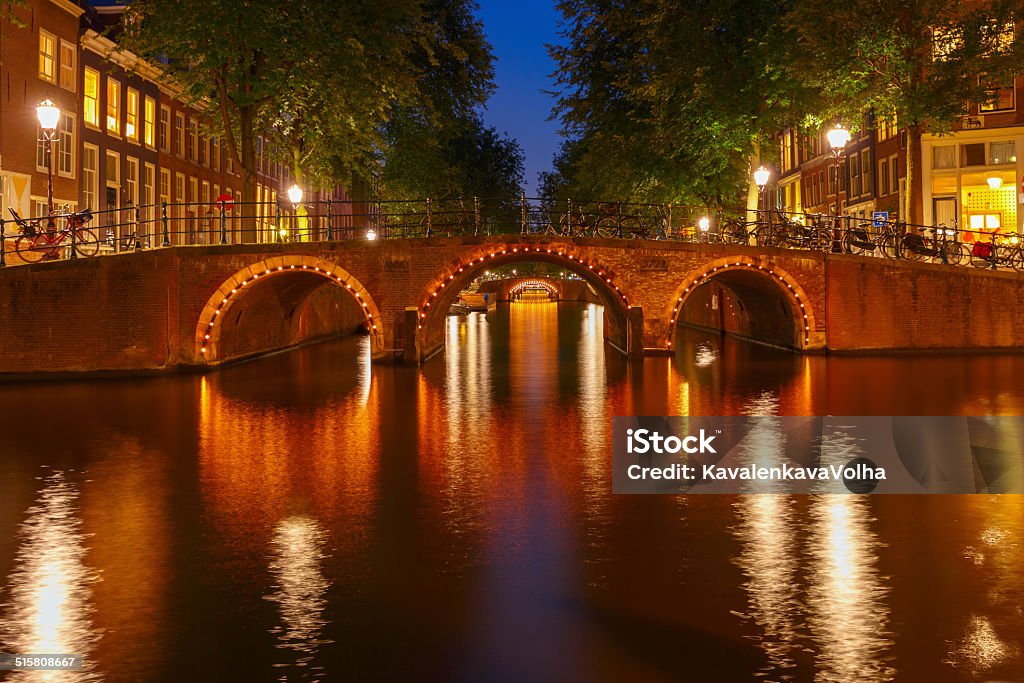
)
(838, 138)
(295, 197)
(48, 115)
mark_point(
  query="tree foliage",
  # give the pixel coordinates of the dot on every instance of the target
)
(671, 101)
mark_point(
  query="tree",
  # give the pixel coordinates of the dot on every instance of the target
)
(920, 60)
(668, 101)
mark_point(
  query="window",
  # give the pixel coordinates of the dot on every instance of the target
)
(113, 106)
(1000, 98)
(944, 156)
(215, 153)
(113, 169)
(1002, 153)
(68, 63)
(865, 169)
(91, 98)
(945, 42)
(66, 146)
(179, 188)
(192, 131)
(164, 134)
(894, 171)
(149, 116)
(131, 124)
(985, 221)
(887, 127)
(131, 182)
(90, 162)
(855, 186)
(179, 134)
(787, 155)
(831, 180)
(47, 56)
(204, 150)
(205, 196)
(165, 185)
(883, 177)
(972, 154)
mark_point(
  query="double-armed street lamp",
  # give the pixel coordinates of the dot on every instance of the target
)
(838, 138)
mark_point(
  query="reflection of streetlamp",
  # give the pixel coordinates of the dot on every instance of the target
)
(838, 138)
(371, 234)
(48, 115)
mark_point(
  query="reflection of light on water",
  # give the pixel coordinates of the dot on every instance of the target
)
(300, 588)
(846, 600)
(981, 648)
(48, 608)
(769, 561)
(705, 355)
(593, 390)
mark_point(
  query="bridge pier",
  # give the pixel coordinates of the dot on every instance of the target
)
(635, 332)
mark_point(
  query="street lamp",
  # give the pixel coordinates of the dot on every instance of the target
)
(48, 115)
(295, 194)
(371, 234)
(838, 138)
(761, 176)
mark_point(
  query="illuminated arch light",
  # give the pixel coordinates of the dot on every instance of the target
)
(534, 284)
(207, 329)
(695, 282)
(515, 250)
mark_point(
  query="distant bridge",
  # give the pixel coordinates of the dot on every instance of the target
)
(201, 306)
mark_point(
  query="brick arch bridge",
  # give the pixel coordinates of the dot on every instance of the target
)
(202, 306)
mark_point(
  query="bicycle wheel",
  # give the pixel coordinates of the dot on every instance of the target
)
(31, 249)
(734, 232)
(606, 227)
(912, 247)
(766, 235)
(954, 254)
(852, 244)
(86, 242)
(1017, 259)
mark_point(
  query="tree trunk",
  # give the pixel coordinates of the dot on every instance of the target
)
(753, 192)
(912, 198)
(249, 209)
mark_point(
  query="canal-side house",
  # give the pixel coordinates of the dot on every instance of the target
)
(38, 61)
(119, 159)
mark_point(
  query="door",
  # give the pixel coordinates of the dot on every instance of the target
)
(944, 211)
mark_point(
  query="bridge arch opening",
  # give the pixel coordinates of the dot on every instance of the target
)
(281, 302)
(747, 298)
(598, 280)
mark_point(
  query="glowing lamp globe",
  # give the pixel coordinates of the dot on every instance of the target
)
(295, 194)
(48, 115)
(838, 137)
(704, 223)
(761, 176)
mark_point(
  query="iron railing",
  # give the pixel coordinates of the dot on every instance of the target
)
(114, 231)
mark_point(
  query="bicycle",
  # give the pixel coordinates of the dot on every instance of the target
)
(38, 243)
(582, 224)
(916, 246)
(990, 254)
(862, 240)
(817, 236)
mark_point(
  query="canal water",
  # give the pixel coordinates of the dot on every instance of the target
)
(311, 516)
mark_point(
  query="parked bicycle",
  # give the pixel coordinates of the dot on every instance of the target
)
(941, 245)
(1005, 253)
(38, 243)
(868, 239)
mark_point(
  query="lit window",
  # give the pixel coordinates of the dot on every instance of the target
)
(150, 121)
(945, 42)
(91, 98)
(47, 56)
(113, 106)
(1002, 153)
(68, 58)
(986, 221)
(1000, 98)
(131, 124)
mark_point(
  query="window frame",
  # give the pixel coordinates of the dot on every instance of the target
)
(66, 116)
(131, 115)
(63, 68)
(113, 105)
(95, 123)
(95, 189)
(44, 36)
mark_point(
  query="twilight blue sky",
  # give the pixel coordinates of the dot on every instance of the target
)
(518, 31)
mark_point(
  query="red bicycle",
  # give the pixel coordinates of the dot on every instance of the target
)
(37, 243)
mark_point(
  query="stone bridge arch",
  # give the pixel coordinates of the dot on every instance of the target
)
(775, 307)
(535, 283)
(438, 296)
(286, 282)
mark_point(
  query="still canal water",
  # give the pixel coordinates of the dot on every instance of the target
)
(312, 517)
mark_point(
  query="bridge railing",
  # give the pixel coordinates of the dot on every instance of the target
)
(131, 228)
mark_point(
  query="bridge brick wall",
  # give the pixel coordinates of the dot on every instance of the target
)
(147, 311)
